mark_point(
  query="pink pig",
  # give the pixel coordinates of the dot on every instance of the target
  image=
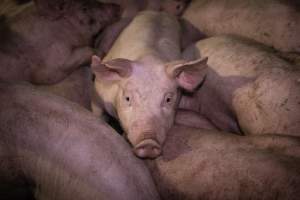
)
(139, 81)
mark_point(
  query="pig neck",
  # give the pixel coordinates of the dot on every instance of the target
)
(215, 98)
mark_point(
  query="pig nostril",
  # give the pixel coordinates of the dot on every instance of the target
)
(148, 149)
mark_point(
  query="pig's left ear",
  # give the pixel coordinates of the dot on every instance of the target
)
(189, 74)
(113, 70)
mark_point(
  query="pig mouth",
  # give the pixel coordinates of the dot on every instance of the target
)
(148, 149)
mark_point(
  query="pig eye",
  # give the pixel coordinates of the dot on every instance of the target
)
(169, 98)
(127, 99)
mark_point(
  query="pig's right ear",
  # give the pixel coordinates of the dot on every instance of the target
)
(188, 74)
(52, 8)
(113, 70)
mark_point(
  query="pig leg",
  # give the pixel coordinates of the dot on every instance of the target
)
(51, 75)
(193, 119)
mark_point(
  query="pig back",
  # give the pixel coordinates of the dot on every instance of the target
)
(202, 164)
(65, 151)
(253, 19)
(150, 32)
(269, 102)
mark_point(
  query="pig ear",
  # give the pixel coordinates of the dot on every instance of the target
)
(112, 70)
(52, 8)
(189, 74)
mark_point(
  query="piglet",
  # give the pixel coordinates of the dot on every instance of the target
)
(139, 82)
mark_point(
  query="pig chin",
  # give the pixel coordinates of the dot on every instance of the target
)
(146, 144)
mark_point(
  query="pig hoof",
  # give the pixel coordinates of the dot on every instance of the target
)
(148, 149)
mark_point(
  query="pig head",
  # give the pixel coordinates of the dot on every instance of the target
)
(143, 95)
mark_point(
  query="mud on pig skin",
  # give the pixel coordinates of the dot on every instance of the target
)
(138, 81)
(202, 164)
(47, 40)
(248, 88)
(63, 152)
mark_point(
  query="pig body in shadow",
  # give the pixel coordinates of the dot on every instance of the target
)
(62, 152)
(47, 40)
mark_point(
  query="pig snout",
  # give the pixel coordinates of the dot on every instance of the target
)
(148, 148)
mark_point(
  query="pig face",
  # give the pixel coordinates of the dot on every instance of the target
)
(143, 95)
(174, 7)
(88, 15)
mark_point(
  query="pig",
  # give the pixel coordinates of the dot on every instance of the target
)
(131, 7)
(31, 48)
(253, 19)
(206, 164)
(140, 80)
(248, 89)
(77, 87)
(63, 152)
